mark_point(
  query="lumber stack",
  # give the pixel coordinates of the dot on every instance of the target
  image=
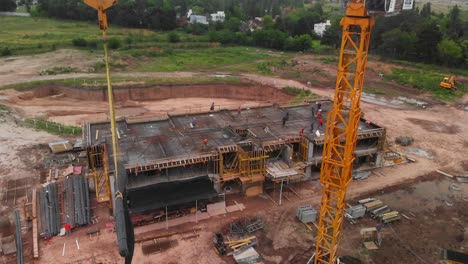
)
(390, 217)
(242, 243)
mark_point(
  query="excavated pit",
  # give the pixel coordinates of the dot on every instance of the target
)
(242, 91)
(75, 106)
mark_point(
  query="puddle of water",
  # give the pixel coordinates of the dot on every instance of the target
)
(419, 152)
(393, 102)
(412, 101)
(426, 195)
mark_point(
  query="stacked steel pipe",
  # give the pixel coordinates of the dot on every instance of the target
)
(19, 239)
(76, 204)
(77, 207)
(50, 213)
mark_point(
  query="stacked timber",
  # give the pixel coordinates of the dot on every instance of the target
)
(379, 210)
(242, 243)
(390, 217)
(373, 205)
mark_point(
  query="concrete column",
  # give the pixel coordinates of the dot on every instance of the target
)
(310, 154)
(379, 159)
(216, 183)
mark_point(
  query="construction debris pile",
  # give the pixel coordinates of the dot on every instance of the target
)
(246, 226)
(239, 240)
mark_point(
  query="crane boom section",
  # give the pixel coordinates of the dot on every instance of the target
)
(101, 6)
(342, 129)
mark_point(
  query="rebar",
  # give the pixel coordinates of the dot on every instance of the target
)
(19, 238)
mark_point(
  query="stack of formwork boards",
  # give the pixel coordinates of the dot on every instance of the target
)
(306, 214)
(356, 211)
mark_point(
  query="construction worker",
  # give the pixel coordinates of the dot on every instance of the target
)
(301, 132)
(68, 228)
(193, 124)
(239, 110)
(46, 235)
(319, 106)
(212, 106)
(312, 126)
(47, 197)
(313, 111)
(284, 120)
(205, 143)
(319, 113)
(320, 121)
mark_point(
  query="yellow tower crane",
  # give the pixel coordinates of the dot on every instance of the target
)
(343, 120)
(124, 227)
(101, 6)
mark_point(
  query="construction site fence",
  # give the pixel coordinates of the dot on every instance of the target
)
(52, 127)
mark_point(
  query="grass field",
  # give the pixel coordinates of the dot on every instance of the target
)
(29, 35)
(426, 81)
(99, 83)
(233, 59)
(442, 6)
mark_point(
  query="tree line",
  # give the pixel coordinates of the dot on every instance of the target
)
(423, 36)
(417, 35)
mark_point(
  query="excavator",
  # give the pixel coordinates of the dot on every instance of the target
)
(449, 83)
(342, 126)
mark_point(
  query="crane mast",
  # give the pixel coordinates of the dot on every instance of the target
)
(342, 129)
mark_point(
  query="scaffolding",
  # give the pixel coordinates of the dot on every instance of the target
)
(303, 149)
(98, 163)
(252, 163)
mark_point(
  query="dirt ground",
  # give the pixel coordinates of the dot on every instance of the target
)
(439, 129)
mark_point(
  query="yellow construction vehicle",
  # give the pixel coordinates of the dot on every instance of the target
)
(343, 120)
(449, 83)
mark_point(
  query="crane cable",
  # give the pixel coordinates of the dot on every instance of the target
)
(110, 96)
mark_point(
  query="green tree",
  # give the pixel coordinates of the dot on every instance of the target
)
(318, 8)
(267, 22)
(398, 44)
(269, 38)
(7, 5)
(233, 24)
(450, 52)
(299, 43)
(198, 10)
(429, 36)
(454, 25)
(173, 37)
(332, 36)
(426, 10)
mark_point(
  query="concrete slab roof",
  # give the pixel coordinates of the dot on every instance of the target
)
(174, 136)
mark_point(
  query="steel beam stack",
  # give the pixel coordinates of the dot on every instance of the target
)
(69, 202)
(81, 197)
(78, 210)
(50, 216)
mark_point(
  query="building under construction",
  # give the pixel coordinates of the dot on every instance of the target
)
(186, 157)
